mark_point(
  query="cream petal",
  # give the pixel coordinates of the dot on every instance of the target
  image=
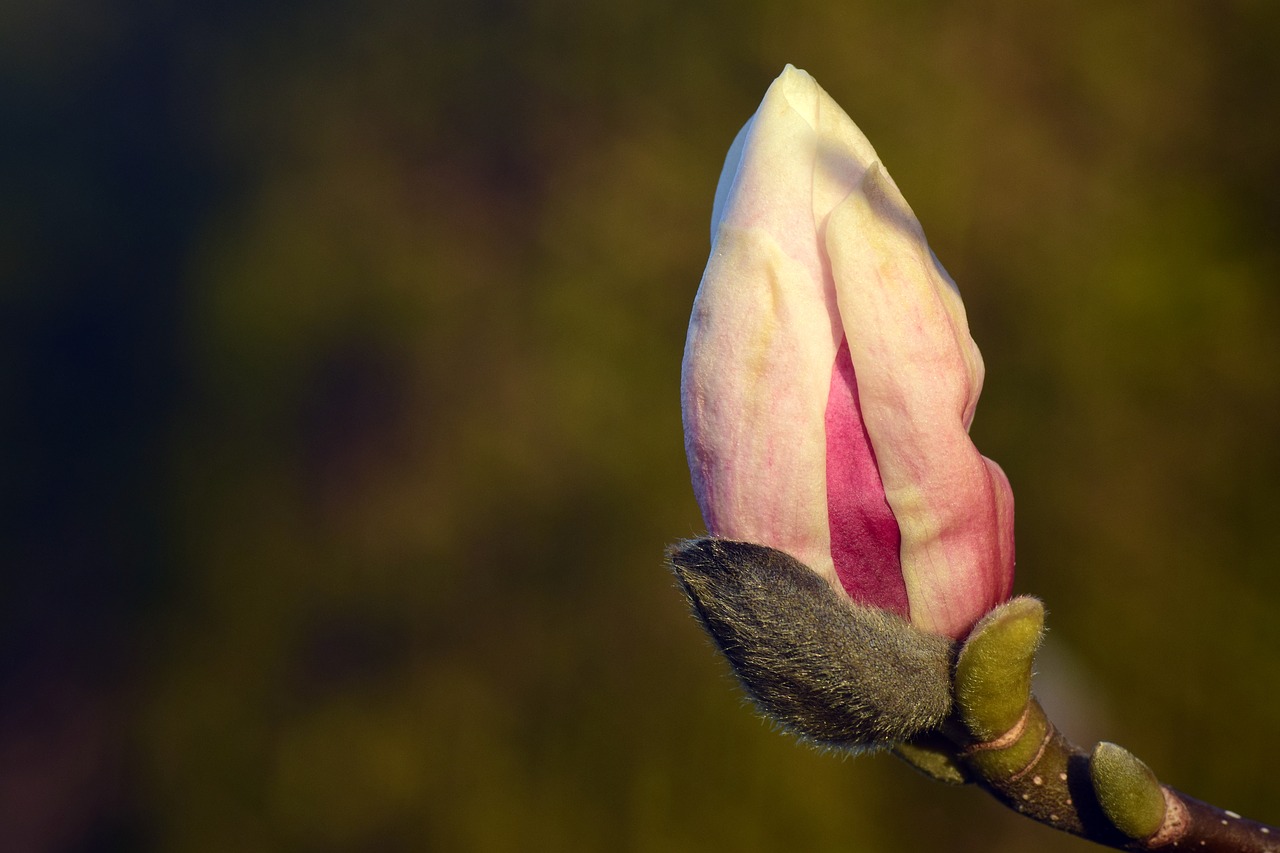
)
(728, 174)
(843, 152)
(762, 342)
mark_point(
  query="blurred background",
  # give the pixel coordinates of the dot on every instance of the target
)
(339, 362)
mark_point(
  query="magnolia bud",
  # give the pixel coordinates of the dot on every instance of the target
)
(829, 378)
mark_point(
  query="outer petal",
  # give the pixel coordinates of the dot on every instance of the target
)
(762, 342)
(919, 374)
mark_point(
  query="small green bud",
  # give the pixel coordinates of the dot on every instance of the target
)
(993, 672)
(1128, 791)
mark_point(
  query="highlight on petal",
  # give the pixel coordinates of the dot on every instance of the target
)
(728, 176)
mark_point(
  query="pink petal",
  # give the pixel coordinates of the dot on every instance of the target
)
(919, 374)
(864, 534)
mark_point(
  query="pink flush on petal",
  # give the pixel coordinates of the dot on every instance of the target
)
(865, 540)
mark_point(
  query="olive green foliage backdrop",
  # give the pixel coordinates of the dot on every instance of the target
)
(342, 349)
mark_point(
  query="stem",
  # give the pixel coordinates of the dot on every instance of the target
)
(1057, 788)
(1215, 830)
(1002, 740)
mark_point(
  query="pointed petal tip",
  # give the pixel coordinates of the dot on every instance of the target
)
(790, 72)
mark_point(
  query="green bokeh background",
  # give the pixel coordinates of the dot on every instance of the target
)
(339, 369)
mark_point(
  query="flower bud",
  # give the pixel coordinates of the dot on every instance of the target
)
(829, 379)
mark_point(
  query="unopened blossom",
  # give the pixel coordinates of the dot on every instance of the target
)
(829, 377)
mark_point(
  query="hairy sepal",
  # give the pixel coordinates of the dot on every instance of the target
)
(834, 672)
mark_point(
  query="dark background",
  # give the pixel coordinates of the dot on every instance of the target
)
(339, 355)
